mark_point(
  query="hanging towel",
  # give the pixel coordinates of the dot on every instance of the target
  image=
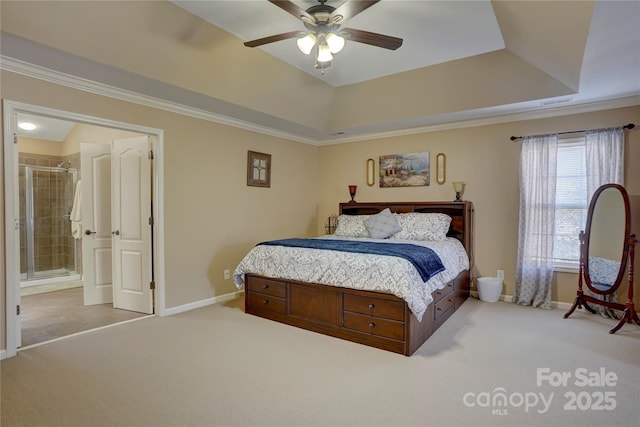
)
(76, 213)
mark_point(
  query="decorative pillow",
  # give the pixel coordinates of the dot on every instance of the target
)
(423, 226)
(351, 226)
(382, 225)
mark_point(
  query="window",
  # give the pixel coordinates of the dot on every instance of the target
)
(571, 203)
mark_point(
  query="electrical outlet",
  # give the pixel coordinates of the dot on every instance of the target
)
(227, 275)
(501, 274)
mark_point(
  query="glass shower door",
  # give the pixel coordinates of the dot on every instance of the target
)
(50, 248)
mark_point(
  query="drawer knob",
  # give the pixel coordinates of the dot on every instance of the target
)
(265, 286)
(371, 306)
(439, 309)
(372, 325)
(265, 301)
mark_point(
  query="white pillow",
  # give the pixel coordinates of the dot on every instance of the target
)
(423, 226)
(351, 226)
(382, 225)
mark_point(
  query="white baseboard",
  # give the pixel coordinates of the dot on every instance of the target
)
(3, 354)
(554, 304)
(202, 303)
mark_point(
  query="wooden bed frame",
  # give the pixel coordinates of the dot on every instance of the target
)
(372, 318)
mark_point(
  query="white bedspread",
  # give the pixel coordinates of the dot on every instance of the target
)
(378, 273)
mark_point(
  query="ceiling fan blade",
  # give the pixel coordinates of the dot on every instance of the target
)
(374, 39)
(293, 9)
(349, 9)
(275, 38)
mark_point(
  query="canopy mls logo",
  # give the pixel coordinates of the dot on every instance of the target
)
(592, 394)
(499, 401)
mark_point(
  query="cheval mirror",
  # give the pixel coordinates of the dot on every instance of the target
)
(606, 248)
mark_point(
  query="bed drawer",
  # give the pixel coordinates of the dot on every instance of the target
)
(444, 305)
(374, 326)
(267, 302)
(441, 293)
(266, 286)
(374, 307)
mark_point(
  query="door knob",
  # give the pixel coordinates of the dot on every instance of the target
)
(116, 232)
(89, 232)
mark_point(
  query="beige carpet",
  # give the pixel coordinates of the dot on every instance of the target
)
(217, 366)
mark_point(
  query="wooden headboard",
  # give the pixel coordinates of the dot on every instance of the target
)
(461, 214)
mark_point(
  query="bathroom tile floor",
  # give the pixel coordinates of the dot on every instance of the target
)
(51, 315)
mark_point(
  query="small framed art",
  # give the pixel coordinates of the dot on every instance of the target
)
(258, 169)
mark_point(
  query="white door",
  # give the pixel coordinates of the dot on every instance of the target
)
(131, 224)
(95, 162)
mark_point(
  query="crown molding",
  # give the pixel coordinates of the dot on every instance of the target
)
(484, 118)
(51, 76)
(496, 118)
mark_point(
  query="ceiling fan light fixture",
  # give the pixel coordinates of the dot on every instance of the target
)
(324, 53)
(335, 42)
(306, 43)
(323, 34)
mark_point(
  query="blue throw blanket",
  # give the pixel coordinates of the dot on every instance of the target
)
(425, 260)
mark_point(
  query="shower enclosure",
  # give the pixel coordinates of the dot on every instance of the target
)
(48, 252)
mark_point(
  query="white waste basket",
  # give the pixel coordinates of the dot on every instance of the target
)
(489, 288)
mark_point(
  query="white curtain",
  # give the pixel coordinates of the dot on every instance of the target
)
(534, 269)
(605, 158)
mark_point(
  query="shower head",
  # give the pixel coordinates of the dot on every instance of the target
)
(66, 162)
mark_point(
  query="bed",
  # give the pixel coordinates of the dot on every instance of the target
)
(385, 300)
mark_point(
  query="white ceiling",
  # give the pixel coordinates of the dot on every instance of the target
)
(46, 128)
(433, 32)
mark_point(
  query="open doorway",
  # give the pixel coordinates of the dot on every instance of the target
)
(45, 273)
(53, 304)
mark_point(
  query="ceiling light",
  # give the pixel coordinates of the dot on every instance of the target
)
(329, 44)
(335, 42)
(306, 43)
(27, 125)
(324, 53)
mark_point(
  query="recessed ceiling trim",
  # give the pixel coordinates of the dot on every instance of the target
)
(46, 74)
(529, 114)
(56, 77)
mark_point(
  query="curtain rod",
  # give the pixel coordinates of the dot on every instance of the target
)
(629, 126)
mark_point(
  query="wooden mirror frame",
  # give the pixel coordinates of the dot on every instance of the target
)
(586, 241)
(629, 314)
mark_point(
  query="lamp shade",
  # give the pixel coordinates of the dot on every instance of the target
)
(335, 42)
(457, 186)
(324, 54)
(306, 43)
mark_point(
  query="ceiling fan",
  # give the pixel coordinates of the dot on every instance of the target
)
(324, 33)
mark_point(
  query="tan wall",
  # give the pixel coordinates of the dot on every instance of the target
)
(488, 162)
(211, 217)
(40, 146)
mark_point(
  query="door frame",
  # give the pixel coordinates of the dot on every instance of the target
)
(12, 214)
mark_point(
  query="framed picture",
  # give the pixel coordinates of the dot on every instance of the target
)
(404, 170)
(258, 169)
